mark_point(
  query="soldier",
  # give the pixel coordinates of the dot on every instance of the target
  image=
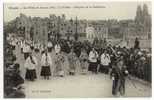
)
(93, 56)
(30, 65)
(46, 63)
(118, 74)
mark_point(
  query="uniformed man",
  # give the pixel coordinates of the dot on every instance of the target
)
(118, 74)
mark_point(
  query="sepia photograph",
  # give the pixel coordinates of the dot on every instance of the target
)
(77, 49)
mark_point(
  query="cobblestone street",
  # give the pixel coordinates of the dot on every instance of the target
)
(90, 85)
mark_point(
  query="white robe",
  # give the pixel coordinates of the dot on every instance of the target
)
(29, 65)
(93, 57)
(57, 48)
(43, 60)
(26, 48)
(13, 43)
(105, 60)
(50, 45)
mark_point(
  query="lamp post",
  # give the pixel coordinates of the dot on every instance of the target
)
(58, 28)
(76, 32)
(68, 34)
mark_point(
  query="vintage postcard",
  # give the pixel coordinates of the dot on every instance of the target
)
(77, 49)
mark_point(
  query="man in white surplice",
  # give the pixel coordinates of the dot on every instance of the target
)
(30, 65)
(105, 62)
(46, 64)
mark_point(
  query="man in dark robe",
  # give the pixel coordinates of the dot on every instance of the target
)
(118, 74)
(137, 44)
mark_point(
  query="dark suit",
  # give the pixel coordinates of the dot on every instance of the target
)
(119, 80)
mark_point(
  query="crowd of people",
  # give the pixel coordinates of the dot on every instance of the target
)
(12, 79)
(84, 57)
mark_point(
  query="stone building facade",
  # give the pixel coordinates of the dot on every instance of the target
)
(41, 29)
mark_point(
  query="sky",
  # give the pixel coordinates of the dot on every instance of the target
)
(89, 11)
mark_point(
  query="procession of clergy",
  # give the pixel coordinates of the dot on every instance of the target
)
(55, 63)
